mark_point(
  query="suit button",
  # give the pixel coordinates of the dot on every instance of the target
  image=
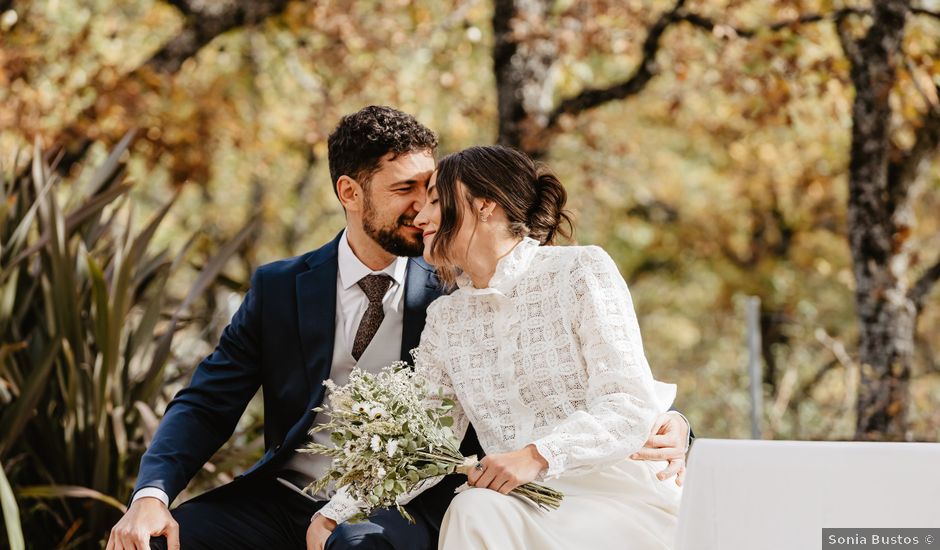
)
(277, 447)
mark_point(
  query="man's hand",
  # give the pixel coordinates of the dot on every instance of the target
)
(505, 471)
(147, 517)
(669, 440)
(320, 529)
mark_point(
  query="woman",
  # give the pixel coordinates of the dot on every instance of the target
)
(540, 348)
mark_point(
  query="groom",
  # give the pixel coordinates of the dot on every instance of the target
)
(358, 300)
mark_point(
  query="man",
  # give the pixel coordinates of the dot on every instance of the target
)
(358, 300)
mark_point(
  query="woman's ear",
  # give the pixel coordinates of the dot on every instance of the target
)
(485, 208)
(350, 193)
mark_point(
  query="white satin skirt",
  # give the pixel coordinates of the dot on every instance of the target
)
(619, 507)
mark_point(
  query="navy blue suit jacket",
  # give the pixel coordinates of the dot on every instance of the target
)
(281, 340)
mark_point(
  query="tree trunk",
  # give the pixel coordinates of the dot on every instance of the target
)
(877, 230)
(523, 56)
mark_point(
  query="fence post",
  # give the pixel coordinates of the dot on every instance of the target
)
(754, 365)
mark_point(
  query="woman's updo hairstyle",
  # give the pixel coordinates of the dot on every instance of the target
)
(530, 195)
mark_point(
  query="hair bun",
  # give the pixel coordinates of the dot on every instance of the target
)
(547, 213)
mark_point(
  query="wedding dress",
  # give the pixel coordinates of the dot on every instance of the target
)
(550, 354)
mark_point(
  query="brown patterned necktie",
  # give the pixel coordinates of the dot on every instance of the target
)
(375, 287)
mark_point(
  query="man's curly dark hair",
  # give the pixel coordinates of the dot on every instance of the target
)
(360, 140)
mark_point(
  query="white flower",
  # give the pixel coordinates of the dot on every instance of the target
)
(377, 413)
(361, 407)
(347, 449)
(382, 472)
(376, 443)
(391, 447)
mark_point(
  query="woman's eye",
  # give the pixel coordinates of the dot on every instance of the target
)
(433, 201)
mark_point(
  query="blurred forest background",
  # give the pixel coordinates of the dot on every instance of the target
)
(154, 152)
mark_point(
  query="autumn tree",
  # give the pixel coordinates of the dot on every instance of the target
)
(882, 175)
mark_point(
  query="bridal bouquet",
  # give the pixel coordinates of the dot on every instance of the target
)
(388, 441)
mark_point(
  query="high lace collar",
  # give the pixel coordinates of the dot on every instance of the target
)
(509, 269)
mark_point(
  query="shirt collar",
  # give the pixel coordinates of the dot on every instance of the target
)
(509, 269)
(352, 270)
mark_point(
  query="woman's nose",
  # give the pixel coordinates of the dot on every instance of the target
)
(421, 220)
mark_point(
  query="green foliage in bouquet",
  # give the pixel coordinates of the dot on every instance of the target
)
(391, 437)
(85, 337)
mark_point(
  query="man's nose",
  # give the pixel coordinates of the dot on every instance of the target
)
(420, 200)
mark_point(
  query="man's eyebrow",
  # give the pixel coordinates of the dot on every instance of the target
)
(411, 181)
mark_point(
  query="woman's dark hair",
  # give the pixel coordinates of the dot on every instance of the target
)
(360, 140)
(530, 195)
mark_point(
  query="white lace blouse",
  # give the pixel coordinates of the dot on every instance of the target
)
(549, 354)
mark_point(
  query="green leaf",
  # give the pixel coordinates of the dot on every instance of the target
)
(69, 491)
(11, 514)
(208, 274)
(15, 417)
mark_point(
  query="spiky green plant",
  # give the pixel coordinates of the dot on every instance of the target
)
(11, 514)
(85, 337)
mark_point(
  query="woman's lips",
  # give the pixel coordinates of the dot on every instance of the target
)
(428, 234)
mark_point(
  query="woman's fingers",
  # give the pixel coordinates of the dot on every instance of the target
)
(675, 466)
(680, 477)
(669, 440)
(490, 470)
(505, 486)
(473, 475)
(646, 453)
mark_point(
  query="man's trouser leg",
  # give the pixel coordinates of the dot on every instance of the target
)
(385, 530)
(246, 513)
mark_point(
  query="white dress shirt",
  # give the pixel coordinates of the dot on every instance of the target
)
(384, 349)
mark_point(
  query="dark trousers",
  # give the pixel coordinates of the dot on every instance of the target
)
(263, 513)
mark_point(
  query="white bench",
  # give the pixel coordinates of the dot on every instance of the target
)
(779, 495)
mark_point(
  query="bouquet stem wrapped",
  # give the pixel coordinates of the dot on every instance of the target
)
(392, 438)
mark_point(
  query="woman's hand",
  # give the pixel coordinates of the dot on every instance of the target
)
(505, 471)
(320, 529)
(668, 441)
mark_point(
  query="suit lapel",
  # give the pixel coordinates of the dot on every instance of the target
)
(421, 288)
(316, 316)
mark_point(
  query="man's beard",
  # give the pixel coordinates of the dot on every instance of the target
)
(388, 236)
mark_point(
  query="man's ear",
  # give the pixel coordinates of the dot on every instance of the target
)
(350, 193)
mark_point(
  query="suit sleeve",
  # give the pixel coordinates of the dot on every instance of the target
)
(203, 415)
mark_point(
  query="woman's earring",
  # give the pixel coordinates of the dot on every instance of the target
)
(484, 217)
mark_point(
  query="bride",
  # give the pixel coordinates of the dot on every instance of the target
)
(540, 348)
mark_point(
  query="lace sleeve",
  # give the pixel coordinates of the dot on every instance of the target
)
(341, 506)
(430, 368)
(620, 400)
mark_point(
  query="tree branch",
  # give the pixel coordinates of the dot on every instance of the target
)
(921, 289)
(204, 22)
(903, 172)
(646, 69)
(644, 72)
(903, 169)
(710, 25)
(924, 11)
(849, 44)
